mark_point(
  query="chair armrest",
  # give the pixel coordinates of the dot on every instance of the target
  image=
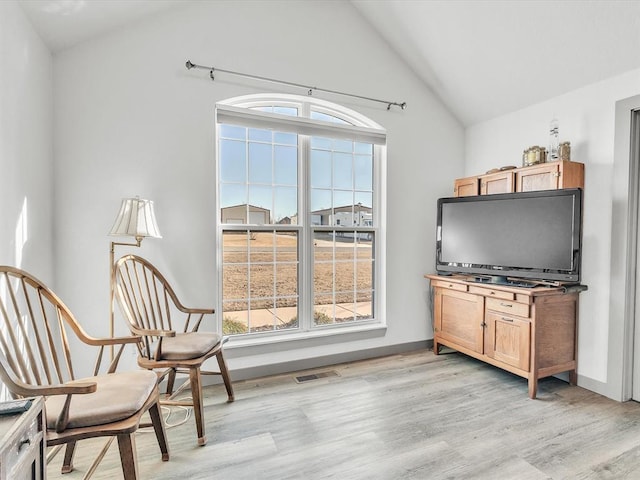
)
(199, 312)
(18, 387)
(142, 332)
(112, 341)
(67, 389)
(202, 311)
(150, 350)
(207, 310)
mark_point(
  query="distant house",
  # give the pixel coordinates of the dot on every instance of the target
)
(347, 216)
(246, 214)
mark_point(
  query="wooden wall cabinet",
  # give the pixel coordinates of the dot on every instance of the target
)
(550, 176)
(465, 187)
(531, 332)
(499, 182)
(543, 176)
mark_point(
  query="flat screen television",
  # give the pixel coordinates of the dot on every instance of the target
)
(501, 238)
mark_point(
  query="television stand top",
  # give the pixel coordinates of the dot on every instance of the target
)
(533, 287)
(513, 281)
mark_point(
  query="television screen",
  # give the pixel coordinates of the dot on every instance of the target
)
(534, 235)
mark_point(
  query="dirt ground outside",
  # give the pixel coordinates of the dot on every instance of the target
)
(251, 262)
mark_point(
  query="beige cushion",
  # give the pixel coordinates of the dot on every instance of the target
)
(185, 346)
(118, 396)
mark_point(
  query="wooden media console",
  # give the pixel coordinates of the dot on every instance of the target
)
(531, 332)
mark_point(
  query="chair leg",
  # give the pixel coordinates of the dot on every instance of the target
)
(67, 463)
(158, 427)
(196, 394)
(127, 445)
(171, 381)
(224, 371)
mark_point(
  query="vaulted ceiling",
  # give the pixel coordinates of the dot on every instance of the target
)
(489, 57)
(483, 58)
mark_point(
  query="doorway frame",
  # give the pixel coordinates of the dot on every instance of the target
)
(624, 254)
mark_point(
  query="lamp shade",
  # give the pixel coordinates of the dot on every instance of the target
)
(136, 219)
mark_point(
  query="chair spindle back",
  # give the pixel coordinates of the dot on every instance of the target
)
(147, 300)
(34, 326)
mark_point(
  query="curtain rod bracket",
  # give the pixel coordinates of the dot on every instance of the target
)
(310, 90)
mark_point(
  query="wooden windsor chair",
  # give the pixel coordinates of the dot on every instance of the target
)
(150, 305)
(36, 359)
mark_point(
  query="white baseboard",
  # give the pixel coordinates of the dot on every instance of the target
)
(318, 362)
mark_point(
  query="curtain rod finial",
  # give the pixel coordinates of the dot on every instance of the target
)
(189, 65)
(403, 105)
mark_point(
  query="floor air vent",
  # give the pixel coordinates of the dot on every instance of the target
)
(316, 376)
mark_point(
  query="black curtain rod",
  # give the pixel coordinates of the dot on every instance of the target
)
(309, 89)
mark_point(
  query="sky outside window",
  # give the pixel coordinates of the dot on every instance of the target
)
(259, 168)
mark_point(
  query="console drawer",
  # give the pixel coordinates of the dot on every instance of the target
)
(490, 292)
(460, 287)
(506, 306)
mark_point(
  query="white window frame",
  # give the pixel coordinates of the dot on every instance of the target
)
(361, 129)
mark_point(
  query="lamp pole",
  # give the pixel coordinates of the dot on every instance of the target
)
(112, 285)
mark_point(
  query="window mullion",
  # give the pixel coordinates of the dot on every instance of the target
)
(305, 276)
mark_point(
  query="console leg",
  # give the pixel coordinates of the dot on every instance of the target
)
(533, 387)
(573, 377)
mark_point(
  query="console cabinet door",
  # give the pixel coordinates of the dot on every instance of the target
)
(508, 339)
(458, 318)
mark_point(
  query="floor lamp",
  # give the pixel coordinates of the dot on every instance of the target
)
(137, 219)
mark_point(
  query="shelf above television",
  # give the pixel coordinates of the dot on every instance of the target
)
(543, 176)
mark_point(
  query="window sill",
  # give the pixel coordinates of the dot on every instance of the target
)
(292, 341)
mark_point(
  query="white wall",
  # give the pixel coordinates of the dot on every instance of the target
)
(587, 120)
(131, 120)
(26, 154)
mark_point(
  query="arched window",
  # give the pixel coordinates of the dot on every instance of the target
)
(299, 215)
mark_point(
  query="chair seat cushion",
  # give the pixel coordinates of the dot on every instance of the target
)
(185, 346)
(118, 396)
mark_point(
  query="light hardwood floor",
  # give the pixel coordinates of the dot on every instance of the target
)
(412, 416)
